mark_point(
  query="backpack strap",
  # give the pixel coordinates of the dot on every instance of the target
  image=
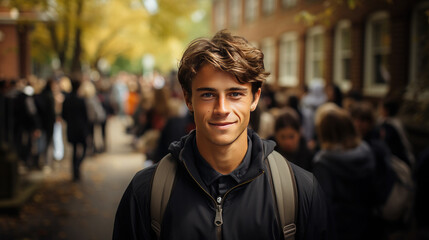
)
(283, 181)
(285, 193)
(161, 190)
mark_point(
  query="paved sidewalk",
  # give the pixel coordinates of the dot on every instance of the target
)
(62, 209)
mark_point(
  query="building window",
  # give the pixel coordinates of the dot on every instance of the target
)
(268, 6)
(288, 60)
(377, 53)
(234, 13)
(268, 46)
(419, 62)
(288, 3)
(251, 7)
(314, 55)
(343, 55)
(220, 16)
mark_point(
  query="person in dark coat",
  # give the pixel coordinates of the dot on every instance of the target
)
(392, 131)
(27, 123)
(45, 104)
(174, 129)
(75, 115)
(290, 143)
(222, 172)
(345, 168)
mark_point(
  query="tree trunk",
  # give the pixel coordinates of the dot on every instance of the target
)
(77, 50)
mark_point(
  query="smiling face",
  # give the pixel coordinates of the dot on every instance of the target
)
(221, 107)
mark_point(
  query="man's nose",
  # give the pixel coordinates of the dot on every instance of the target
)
(222, 105)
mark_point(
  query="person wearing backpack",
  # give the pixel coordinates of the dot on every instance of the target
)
(393, 185)
(345, 168)
(224, 179)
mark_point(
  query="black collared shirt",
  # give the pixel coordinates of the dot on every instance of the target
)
(217, 183)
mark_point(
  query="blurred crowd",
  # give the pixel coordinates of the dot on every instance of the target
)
(359, 152)
(40, 118)
(357, 149)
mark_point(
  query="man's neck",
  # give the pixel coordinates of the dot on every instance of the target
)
(224, 159)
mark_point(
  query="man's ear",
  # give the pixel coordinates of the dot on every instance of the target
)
(255, 102)
(188, 101)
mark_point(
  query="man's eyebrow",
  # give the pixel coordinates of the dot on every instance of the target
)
(205, 89)
(242, 89)
(208, 89)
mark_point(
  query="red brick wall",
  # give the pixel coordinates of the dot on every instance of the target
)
(9, 52)
(283, 20)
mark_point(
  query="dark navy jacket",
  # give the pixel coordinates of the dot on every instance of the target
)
(249, 210)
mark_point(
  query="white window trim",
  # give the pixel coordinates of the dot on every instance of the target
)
(288, 3)
(344, 85)
(370, 88)
(309, 79)
(269, 58)
(411, 88)
(220, 15)
(235, 13)
(268, 7)
(288, 80)
(251, 13)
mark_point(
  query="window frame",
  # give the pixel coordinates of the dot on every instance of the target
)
(289, 3)
(340, 53)
(268, 7)
(235, 13)
(220, 16)
(268, 48)
(309, 56)
(251, 10)
(371, 88)
(285, 79)
(413, 86)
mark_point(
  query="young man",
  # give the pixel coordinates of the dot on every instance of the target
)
(221, 172)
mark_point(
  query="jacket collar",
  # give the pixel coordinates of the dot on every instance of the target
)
(183, 151)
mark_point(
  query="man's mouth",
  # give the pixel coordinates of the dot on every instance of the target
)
(221, 124)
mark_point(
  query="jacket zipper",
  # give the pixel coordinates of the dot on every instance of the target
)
(219, 203)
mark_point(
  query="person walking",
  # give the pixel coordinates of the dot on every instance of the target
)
(290, 143)
(75, 114)
(345, 168)
(45, 104)
(222, 186)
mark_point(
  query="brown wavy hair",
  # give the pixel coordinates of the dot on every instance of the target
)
(228, 53)
(335, 128)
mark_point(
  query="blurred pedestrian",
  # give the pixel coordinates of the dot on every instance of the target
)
(309, 103)
(345, 168)
(76, 116)
(334, 94)
(45, 103)
(103, 94)
(119, 94)
(175, 128)
(290, 142)
(27, 123)
(95, 112)
(392, 131)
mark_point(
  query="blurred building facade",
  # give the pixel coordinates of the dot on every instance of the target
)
(375, 47)
(15, 55)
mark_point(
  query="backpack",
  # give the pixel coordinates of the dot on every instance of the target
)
(399, 203)
(283, 182)
(394, 186)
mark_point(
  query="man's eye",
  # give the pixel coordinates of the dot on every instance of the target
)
(207, 95)
(236, 94)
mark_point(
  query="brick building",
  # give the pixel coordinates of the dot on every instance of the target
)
(377, 47)
(15, 57)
